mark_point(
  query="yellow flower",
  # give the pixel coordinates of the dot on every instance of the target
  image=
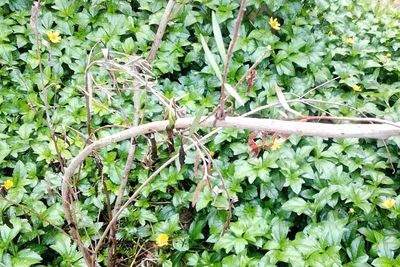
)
(8, 184)
(389, 203)
(273, 22)
(54, 37)
(277, 144)
(162, 240)
(351, 211)
(350, 40)
(356, 88)
(388, 55)
(330, 34)
(58, 86)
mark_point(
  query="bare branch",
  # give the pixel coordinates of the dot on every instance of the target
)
(242, 8)
(124, 181)
(160, 31)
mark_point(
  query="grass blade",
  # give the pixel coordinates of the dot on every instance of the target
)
(218, 37)
(210, 58)
(233, 93)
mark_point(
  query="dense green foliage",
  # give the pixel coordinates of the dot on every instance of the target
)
(313, 202)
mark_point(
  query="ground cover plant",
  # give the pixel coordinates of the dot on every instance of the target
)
(75, 72)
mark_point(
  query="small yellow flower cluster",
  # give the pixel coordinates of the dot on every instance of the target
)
(8, 184)
(162, 240)
(350, 40)
(356, 88)
(330, 34)
(277, 144)
(351, 211)
(274, 23)
(388, 203)
(54, 36)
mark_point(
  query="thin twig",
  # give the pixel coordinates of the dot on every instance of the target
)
(124, 180)
(254, 66)
(319, 86)
(221, 113)
(229, 211)
(160, 31)
(34, 20)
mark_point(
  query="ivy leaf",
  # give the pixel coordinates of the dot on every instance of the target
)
(356, 252)
(285, 67)
(297, 205)
(4, 150)
(181, 244)
(26, 258)
(226, 242)
(19, 172)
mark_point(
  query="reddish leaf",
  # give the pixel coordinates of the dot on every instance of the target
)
(252, 144)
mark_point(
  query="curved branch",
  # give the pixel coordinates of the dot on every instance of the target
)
(376, 131)
(278, 126)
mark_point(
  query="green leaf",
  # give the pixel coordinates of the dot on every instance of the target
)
(25, 130)
(280, 230)
(19, 172)
(4, 150)
(297, 205)
(181, 244)
(227, 241)
(67, 250)
(386, 262)
(295, 183)
(300, 59)
(357, 249)
(239, 244)
(285, 67)
(26, 258)
(128, 46)
(196, 228)
(387, 246)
